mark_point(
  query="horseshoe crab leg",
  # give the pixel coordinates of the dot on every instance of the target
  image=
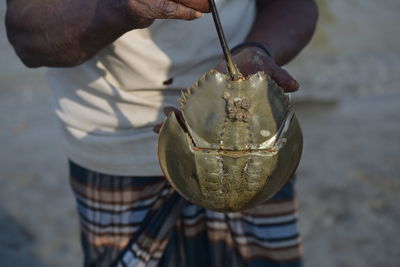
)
(232, 69)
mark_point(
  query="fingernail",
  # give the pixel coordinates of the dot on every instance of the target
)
(198, 14)
(294, 86)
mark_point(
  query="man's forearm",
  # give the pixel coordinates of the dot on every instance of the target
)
(285, 26)
(61, 33)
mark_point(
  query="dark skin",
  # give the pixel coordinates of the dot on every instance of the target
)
(66, 33)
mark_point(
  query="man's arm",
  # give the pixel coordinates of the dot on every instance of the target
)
(62, 33)
(285, 27)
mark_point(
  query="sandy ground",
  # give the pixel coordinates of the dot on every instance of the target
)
(349, 182)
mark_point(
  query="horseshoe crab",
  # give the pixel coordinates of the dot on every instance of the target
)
(236, 144)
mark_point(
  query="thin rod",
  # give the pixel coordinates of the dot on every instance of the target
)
(232, 69)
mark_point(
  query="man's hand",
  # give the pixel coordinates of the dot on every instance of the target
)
(251, 60)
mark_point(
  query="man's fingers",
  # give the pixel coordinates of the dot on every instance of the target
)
(171, 10)
(285, 80)
(199, 5)
(157, 127)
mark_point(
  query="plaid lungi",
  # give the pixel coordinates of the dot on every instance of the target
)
(142, 221)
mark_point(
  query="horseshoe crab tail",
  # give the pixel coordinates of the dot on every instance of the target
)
(232, 68)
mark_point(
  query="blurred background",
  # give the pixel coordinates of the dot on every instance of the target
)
(349, 181)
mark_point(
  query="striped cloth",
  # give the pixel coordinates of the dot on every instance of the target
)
(142, 221)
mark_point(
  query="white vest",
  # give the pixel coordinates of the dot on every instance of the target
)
(108, 106)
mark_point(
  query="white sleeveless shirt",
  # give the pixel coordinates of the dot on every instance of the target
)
(108, 106)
